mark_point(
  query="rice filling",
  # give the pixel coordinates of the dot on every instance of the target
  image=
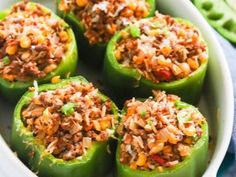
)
(32, 42)
(158, 132)
(161, 48)
(68, 120)
(102, 18)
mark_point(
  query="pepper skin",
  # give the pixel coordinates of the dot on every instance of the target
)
(193, 165)
(221, 15)
(129, 80)
(96, 161)
(14, 90)
(92, 54)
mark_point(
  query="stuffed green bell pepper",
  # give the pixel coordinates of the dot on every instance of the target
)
(65, 129)
(221, 15)
(160, 52)
(161, 137)
(35, 44)
(95, 22)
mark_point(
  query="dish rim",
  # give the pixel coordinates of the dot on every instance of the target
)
(190, 12)
(16, 168)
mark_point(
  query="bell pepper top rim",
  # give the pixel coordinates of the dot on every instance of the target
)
(203, 139)
(132, 72)
(73, 18)
(70, 56)
(36, 143)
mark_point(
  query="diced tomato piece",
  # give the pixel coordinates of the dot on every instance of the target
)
(158, 159)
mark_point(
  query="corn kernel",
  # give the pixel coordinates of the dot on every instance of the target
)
(145, 12)
(96, 125)
(118, 54)
(162, 61)
(40, 39)
(50, 68)
(81, 3)
(55, 79)
(166, 50)
(105, 124)
(25, 42)
(176, 70)
(11, 50)
(141, 160)
(63, 36)
(160, 169)
(193, 63)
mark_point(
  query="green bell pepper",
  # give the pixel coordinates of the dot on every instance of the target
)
(13, 90)
(125, 80)
(221, 15)
(193, 165)
(92, 54)
(97, 160)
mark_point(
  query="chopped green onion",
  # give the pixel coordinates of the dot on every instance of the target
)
(181, 105)
(6, 60)
(143, 113)
(165, 30)
(46, 113)
(156, 24)
(135, 31)
(149, 122)
(68, 109)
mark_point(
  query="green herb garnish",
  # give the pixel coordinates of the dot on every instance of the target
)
(181, 105)
(46, 113)
(68, 109)
(143, 113)
(135, 31)
(6, 60)
(149, 122)
(156, 24)
(166, 31)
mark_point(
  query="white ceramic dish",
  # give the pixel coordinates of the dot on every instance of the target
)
(216, 103)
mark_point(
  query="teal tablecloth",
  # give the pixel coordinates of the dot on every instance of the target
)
(228, 167)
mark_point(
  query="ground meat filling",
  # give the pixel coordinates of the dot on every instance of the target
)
(70, 119)
(159, 132)
(162, 48)
(32, 43)
(102, 18)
